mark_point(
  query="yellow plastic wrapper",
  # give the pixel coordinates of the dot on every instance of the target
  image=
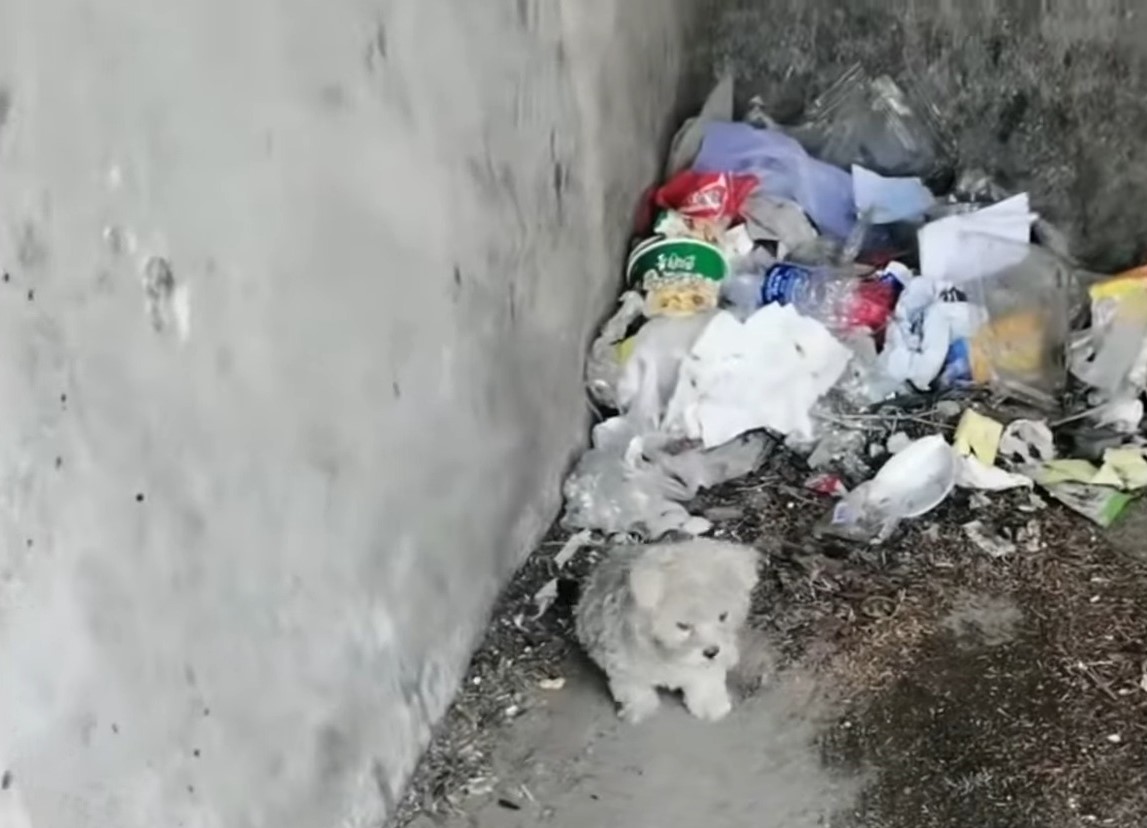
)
(1127, 283)
(1014, 345)
(978, 435)
(1114, 357)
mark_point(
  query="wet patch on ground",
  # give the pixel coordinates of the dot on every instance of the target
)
(982, 621)
(1008, 718)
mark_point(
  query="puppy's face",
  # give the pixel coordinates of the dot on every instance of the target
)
(693, 599)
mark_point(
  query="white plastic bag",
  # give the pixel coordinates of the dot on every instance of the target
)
(603, 368)
(634, 484)
(650, 374)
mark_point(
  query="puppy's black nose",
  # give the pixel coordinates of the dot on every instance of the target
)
(710, 652)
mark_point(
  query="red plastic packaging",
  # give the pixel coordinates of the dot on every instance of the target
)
(706, 195)
(872, 305)
(826, 484)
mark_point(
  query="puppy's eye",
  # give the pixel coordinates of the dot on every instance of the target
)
(681, 625)
(723, 616)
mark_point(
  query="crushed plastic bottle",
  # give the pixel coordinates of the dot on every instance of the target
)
(832, 296)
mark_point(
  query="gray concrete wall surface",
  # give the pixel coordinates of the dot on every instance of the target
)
(1048, 95)
(291, 333)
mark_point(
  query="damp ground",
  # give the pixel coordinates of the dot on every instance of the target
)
(920, 684)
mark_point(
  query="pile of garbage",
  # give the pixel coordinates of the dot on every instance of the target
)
(803, 283)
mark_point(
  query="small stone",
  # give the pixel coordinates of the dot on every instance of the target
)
(1115, 738)
(552, 683)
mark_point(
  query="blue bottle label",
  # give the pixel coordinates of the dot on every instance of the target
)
(782, 283)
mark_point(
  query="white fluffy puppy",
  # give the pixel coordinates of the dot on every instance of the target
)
(667, 616)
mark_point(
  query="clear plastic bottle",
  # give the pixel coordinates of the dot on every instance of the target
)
(741, 292)
(831, 295)
(741, 289)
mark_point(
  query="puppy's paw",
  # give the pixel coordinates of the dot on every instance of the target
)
(708, 701)
(635, 703)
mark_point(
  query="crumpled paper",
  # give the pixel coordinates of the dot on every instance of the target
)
(766, 372)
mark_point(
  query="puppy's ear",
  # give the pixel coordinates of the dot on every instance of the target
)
(646, 584)
(744, 562)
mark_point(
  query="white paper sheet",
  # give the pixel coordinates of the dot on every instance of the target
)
(963, 248)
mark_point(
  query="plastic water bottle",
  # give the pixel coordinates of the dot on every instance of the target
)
(832, 296)
(741, 292)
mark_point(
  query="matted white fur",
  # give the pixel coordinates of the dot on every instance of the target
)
(667, 616)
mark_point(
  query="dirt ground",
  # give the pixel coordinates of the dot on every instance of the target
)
(920, 684)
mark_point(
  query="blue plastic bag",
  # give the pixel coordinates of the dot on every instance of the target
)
(784, 170)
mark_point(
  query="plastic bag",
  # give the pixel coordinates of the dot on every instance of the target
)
(1026, 445)
(620, 494)
(865, 381)
(877, 124)
(603, 366)
(1029, 447)
(634, 484)
(1112, 356)
(699, 468)
(1022, 349)
(844, 450)
(926, 336)
(706, 195)
(769, 218)
(1100, 504)
(649, 376)
(784, 170)
(687, 141)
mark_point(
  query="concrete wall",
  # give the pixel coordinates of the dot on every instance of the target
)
(290, 347)
(1050, 95)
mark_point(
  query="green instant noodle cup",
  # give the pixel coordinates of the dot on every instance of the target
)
(679, 276)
